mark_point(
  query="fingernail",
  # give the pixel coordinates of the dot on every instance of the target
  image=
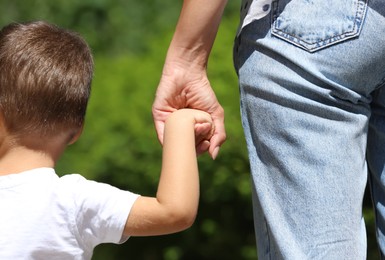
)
(215, 152)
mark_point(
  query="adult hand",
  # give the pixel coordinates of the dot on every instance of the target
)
(187, 87)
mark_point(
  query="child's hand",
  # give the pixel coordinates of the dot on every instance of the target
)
(203, 133)
(204, 130)
(203, 127)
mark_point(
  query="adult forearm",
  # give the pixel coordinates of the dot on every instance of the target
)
(195, 32)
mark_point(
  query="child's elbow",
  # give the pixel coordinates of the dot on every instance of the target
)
(182, 219)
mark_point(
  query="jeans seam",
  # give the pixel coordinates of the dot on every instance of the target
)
(381, 84)
(268, 241)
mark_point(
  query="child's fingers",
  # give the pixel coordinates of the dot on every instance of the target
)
(202, 147)
(202, 117)
(203, 131)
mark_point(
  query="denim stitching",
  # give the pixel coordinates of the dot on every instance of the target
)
(294, 39)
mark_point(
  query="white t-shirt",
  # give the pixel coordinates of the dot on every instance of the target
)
(43, 216)
(252, 10)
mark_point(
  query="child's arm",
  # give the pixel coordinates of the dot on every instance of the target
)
(176, 203)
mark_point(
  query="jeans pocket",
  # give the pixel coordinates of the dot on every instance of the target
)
(316, 24)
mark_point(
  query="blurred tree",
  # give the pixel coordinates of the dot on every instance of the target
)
(119, 145)
(109, 26)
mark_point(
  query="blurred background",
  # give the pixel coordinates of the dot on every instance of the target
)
(129, 40)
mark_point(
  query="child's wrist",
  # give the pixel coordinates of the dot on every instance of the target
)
(182, 115)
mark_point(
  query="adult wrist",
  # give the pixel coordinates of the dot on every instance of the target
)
(191, 58)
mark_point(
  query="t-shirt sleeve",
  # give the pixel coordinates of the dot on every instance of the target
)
(101, 211)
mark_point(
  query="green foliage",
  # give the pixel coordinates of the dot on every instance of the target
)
(109, 26)
(119, 144)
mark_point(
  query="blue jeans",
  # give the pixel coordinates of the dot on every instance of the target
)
(312, 78)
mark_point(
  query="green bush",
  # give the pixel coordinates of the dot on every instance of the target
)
(119, 145)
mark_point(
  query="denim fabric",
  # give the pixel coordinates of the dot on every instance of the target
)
(311, 77)
(341, 20)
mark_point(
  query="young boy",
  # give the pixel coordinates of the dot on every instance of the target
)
(45, 78)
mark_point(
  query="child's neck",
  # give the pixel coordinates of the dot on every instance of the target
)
(20, 159)
(16, 158)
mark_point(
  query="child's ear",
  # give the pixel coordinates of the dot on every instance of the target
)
(76, 135)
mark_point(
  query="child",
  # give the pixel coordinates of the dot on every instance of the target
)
(45, 78)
